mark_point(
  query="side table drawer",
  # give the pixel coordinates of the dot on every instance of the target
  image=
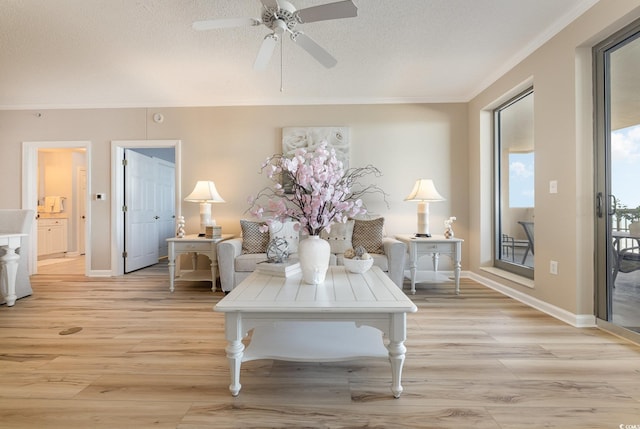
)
(436, 248)
(193, 247)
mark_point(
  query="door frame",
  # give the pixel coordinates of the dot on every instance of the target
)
(117, 191)
(81, 230)
(602, 179)
(30, 192)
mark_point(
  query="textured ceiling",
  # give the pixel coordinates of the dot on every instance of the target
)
(144, 53)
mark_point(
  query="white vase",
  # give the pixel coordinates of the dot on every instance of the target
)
(314, 253)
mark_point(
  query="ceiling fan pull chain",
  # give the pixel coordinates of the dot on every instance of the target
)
(282, 64)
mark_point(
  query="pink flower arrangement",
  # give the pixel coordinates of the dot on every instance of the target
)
(322, 192)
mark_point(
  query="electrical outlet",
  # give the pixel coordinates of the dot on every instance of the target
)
(553, 267)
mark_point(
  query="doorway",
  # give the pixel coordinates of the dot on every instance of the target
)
(119, 195)
(51, 189)
(617, 133)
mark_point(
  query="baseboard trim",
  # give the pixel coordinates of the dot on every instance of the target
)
(577, 320)
(99, 273)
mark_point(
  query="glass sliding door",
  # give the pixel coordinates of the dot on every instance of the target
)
(617, 83)
(514, 185)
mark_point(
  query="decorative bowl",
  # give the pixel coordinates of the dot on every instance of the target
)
(357, 266)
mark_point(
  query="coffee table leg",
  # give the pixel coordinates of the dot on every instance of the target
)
(235, 350)
(397, 351)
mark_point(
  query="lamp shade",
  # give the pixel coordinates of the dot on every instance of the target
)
(424, 190)
(204, 192)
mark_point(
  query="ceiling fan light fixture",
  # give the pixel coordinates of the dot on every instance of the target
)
(279, 26)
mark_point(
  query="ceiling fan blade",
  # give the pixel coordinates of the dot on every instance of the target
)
(225, 23)
(315, 50)
(323, 12)
(270, 4)
(266, 51)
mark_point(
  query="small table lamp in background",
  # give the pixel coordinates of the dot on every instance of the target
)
(424, 192)
(205, 193)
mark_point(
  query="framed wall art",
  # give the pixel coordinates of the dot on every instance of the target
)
(310, 137)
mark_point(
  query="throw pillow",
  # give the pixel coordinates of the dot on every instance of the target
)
(369, 234)
(286, 231)
(253, 240)
(340, 236)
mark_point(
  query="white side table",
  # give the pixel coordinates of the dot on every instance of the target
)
(435, 245)
(194, 245)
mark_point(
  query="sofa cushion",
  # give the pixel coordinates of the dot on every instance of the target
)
(368, 234)
(247, 262)
(253, 240)
(340, 236)
(287, 231)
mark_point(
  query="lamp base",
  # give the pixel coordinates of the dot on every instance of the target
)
(423, 235)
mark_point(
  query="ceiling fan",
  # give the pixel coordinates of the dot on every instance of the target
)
(281, 17)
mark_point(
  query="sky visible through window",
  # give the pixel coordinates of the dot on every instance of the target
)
(625, 166)
(521, 180)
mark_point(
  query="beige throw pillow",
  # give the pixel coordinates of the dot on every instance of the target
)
(253, 240)
(369, 234)
(286, 231)
(340, 236)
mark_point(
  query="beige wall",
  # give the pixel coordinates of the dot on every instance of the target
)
(228, 145)
(560, 72)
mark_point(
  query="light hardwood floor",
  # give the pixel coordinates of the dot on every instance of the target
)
(147, 358)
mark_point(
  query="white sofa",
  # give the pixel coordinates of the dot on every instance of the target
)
(15, 221)
(234, 265)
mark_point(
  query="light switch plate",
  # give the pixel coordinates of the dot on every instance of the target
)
(553, 187)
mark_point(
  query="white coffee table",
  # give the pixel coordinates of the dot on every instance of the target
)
(342, 319)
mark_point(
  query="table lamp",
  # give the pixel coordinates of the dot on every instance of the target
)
(424, 192)
(205, 193)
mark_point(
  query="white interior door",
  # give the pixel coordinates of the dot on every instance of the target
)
(140, 216)
(165, 191)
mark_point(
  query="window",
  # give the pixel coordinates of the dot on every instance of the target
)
(515, 185)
